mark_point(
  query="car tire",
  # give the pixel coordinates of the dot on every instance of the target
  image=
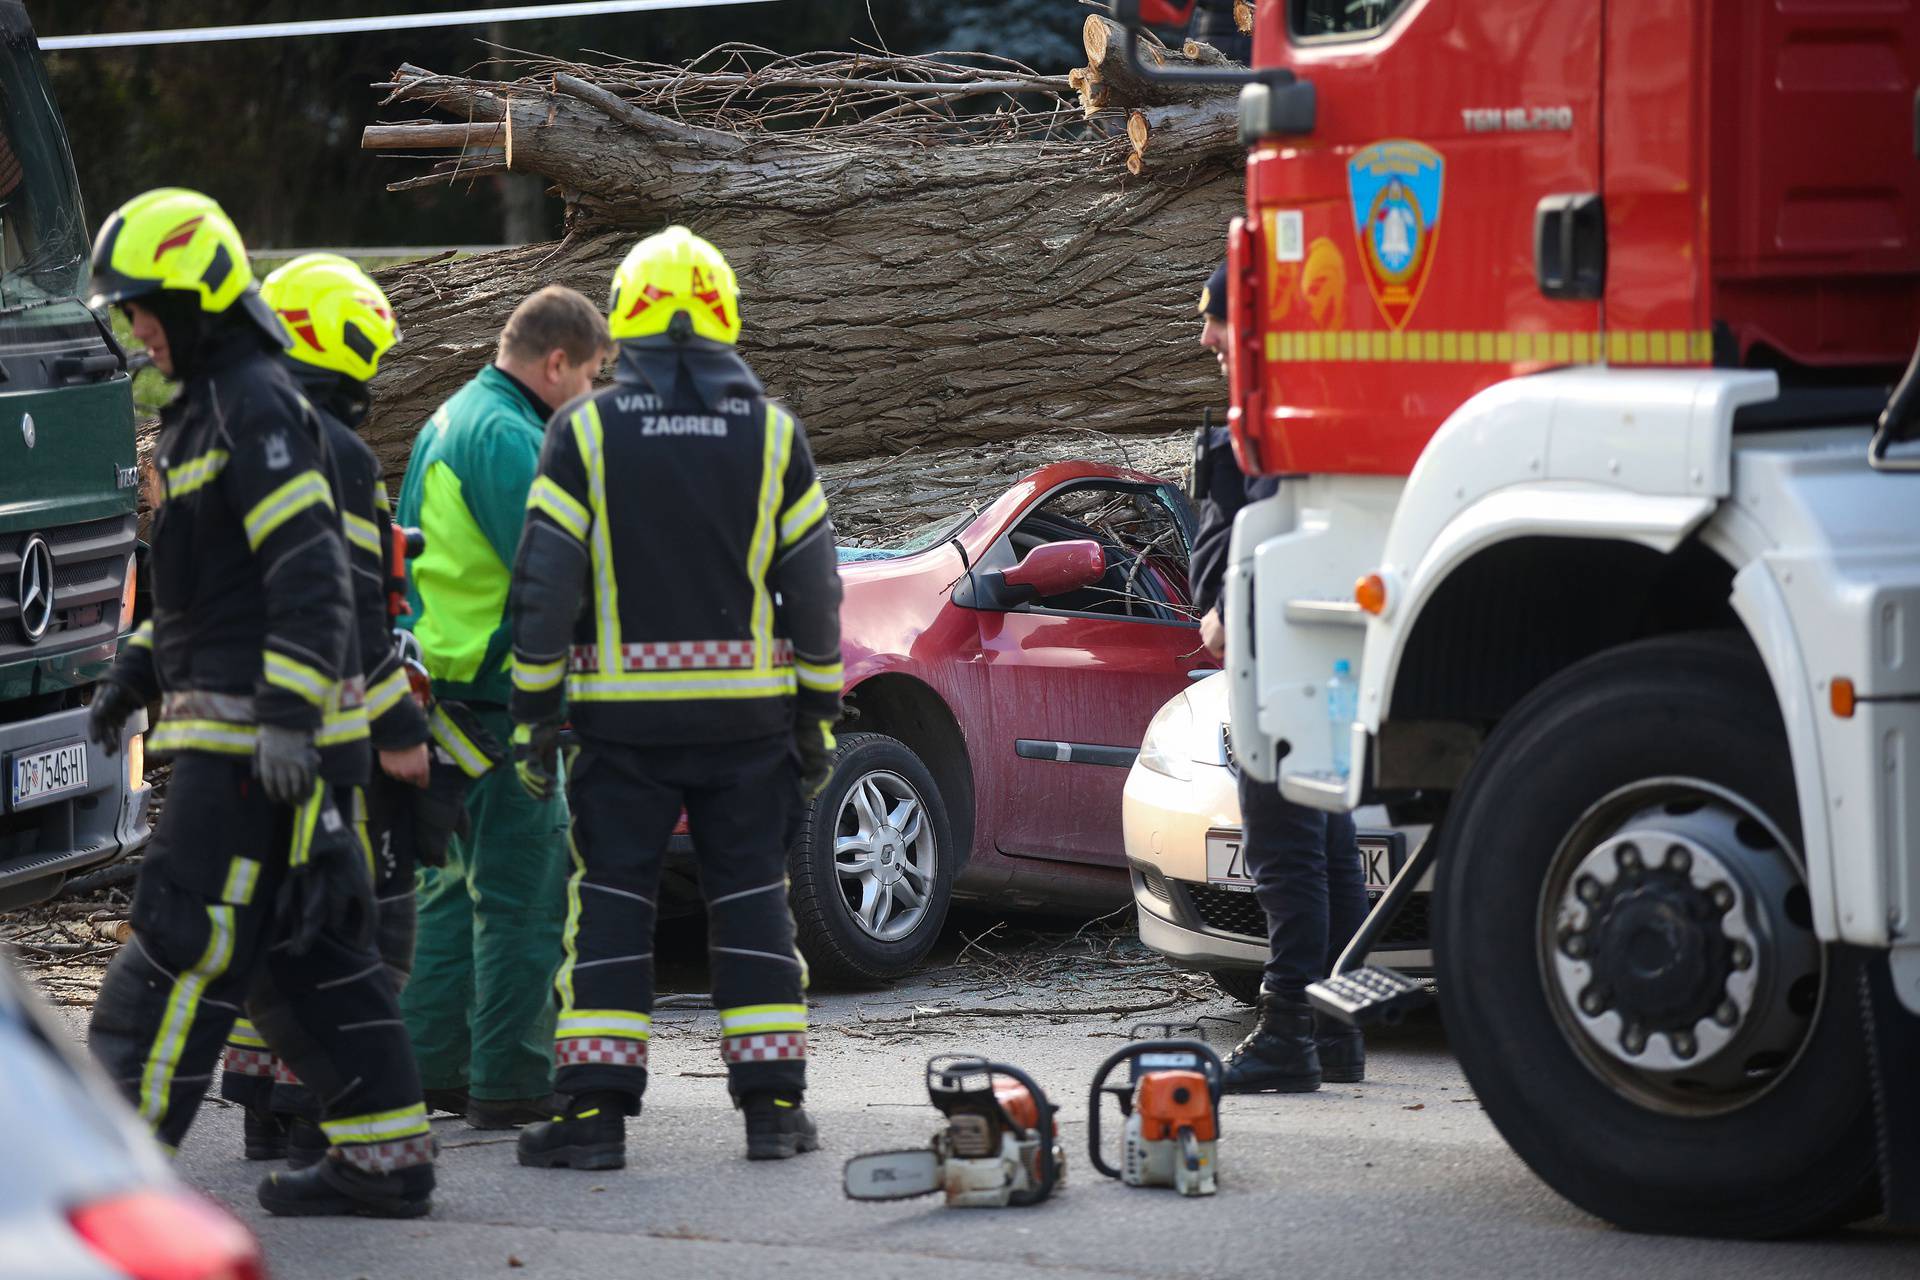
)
(1239, 984)
(839, 943)
(1761, 1125)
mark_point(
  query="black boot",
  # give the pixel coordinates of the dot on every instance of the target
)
(591, 1135)
(338, 1188)
(510, 1113)
(1279, 1055)
(778, 1127)
(266, 1138)
(1343, 1050)
(307, 1143)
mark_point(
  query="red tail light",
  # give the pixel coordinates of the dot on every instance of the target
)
(160, 1235)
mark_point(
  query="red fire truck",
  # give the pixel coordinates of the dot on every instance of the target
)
(1571, 324)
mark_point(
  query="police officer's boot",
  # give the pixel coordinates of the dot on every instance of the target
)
(1279, 1055)
(778, 1127)
(1343, 1050)
(307, 1143)
(336, 1187)
(591, 1135)
(266, 1137)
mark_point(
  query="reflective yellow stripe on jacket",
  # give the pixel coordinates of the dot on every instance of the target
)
(548, 497)
(307, 489)
(195, 473)
(361, 533)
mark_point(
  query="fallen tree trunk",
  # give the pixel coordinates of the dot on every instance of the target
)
(911, 277)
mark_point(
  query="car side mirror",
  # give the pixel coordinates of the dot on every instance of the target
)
(1055, 568)
(1052, 569)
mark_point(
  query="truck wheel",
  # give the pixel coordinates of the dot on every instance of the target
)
(872, 868)
(1628, 969)
(1239, 984)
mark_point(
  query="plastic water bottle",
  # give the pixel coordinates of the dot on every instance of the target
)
(1343, 706)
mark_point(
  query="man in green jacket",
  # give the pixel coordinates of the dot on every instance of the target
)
(479, 1007)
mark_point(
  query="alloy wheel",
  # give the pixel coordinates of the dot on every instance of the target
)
(884, 852)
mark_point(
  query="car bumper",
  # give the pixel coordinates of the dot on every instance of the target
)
(42, 844)
(1203, 926)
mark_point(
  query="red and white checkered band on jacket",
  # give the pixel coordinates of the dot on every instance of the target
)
(283, 1074)
(768, 1046)
(601, 1051)
(682, 655)
(385, 1157)
(248, 1062)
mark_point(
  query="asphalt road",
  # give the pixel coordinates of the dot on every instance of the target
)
(1400, 1176)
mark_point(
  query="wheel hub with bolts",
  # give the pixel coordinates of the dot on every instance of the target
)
(1679, 953)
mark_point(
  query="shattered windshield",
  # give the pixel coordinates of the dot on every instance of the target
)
(43, 235)
(931, 534)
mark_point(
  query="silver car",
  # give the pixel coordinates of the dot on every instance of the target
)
(85, 1193)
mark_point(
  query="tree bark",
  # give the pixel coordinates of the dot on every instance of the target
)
(895, 298)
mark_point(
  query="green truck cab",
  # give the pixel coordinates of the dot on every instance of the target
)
(69, 480)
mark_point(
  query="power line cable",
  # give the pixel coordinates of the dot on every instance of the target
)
(390, 22)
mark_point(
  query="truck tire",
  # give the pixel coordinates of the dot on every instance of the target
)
(1627, 966)
(856, 875)
(1238, 984)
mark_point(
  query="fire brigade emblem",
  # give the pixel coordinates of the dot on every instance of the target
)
(1395, 189)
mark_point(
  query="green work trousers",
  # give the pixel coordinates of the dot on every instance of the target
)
(480, 1005)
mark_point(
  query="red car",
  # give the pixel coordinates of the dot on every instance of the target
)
(1001, 670)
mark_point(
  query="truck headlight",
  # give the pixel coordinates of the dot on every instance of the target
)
(1167, 748)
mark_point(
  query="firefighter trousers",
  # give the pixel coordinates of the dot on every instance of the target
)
(203, 927)
(262, 1066)
(626, 800)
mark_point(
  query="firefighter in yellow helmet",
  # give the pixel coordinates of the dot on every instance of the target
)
(676, 597)
(340, 324)
(252, 655)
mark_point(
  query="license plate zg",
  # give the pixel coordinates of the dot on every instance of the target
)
(35, 777)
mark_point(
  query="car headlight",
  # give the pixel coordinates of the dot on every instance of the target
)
(1167, 748)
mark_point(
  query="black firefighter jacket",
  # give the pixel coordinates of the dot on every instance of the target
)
(676, 577)
(252, 614)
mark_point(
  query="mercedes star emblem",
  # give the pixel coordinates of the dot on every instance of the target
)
(36, 587)
(26, 429)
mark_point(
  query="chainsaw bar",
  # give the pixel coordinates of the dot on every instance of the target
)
(893, 1175)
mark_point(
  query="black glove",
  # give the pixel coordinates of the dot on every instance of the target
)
(284, 760)
(813, 742)
(536, 758)
(438, 815)
(113, 705)
(330, 890)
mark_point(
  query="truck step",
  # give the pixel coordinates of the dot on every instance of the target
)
(1371, 994)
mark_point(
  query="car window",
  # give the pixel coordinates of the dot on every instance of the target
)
(1145, 543)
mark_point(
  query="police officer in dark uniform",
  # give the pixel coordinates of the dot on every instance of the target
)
(1305, 862)
(250, 651)
(676, 593)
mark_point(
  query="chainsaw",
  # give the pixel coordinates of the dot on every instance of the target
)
(1171, 1103)
(1000, 1144)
